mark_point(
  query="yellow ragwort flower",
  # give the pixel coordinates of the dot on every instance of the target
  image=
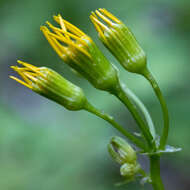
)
(28, 73)
(117, 37)
(50, 84)
(78, 50)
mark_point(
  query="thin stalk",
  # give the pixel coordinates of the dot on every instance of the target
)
(119, 92)
(147, 74)
(155, 173)
(142, 109)
(110, 120)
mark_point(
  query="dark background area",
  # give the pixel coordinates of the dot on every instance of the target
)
(42, 145)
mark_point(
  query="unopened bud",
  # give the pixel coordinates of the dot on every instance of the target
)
(78, 50)
(125, 155)
(121, 151)
(129, 170)
(117, 37)
(50, 84)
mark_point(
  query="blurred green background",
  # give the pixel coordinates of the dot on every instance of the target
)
(45, 147)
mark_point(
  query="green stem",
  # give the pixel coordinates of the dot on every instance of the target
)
(147, 74)
(142, 108)
(120, 93)
(110, 120)
(155, 173)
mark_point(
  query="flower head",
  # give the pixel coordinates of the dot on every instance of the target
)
(50, 84)
(119, 40)
(79, 51)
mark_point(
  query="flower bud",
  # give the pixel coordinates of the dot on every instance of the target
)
(78, 50)
(129, 170)
(50, 84)
(117, 37)
(125, 155)
(121, 151)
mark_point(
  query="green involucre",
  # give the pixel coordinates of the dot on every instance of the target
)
(53, 86)
(123, 45)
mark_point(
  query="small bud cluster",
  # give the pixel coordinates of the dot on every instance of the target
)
(125, 155)
(79, 51)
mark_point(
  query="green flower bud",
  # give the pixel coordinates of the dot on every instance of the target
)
(50, 84)
(125, 155)
(121, 151)
(119, 40)
(78, 50)
(129, 170)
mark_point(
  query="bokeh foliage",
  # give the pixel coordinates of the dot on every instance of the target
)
(44, 146)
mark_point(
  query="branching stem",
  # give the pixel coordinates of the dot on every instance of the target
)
(147, 74)
(119, 92)
(139, 104)
(110, 120)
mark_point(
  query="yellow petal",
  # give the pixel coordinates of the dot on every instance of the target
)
(21, 82)
(109, 22)
(109, 15)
